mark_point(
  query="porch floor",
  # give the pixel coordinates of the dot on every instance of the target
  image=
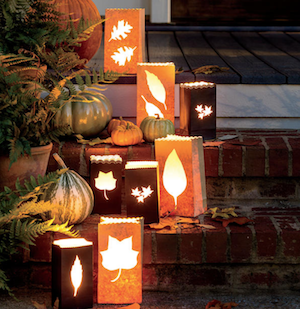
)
(251, 57)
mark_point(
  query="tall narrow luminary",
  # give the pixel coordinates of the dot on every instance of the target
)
(120, 243)
(106, 182)
(72, 273)
(124, 39)
(142, 190)
(155, 90)
(182, 175)
(198, 109)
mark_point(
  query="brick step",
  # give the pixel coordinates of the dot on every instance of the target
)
(252, 153)
(264, 253)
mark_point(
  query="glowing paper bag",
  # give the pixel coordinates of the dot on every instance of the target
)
(155, 90)
(72, 273)
(182, 175)
(198, 109)
(142, 190)
(120, 243)
(124, 39)
(106, 183)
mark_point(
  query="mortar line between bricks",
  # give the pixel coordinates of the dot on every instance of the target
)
(154, 247)
(228, 249)
(60, 146)
(83, 169)
(243, 155)
(290, 156)
(253, 256)
(220, 162)
(203, 244)
(279, 244)
(267, 163)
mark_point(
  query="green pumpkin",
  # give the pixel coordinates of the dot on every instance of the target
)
(155, 127)
(71, 198)
(86, 118)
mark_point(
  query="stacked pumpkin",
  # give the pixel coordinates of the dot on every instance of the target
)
(124, 133)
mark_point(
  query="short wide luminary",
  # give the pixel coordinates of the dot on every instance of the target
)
(120, 244)
(142, 190)
(198, 109)
(72, 273)
(106, 183)
(155, 90)
(124, 39)
(182, 175)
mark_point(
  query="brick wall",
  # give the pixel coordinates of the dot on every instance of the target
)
(257, 172)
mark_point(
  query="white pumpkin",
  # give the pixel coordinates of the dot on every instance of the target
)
(71, 197)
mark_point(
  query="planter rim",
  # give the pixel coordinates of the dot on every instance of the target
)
(41, 149)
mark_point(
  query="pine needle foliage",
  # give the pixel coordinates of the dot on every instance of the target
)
(20, 222)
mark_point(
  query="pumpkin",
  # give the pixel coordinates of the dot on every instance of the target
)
(88, 11)
(86, 118)
(156, 127)
(114, 123)
(72, 198)
(127, 135)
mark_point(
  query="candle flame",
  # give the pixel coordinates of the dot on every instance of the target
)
(174, 177)
(76, 274)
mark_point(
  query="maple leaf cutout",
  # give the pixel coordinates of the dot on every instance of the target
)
(105, 181)
(120, 32)
(141, 195)
(119, 255)
(151, 109)
(203, 112)
(156, 88)
(123, 54)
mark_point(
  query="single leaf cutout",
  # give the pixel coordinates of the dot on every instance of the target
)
(76, 274)
(120, 32)
(119, 255)
(124, 53)
(156, 88)
(151, 109)
(174, 177)
(105, 181)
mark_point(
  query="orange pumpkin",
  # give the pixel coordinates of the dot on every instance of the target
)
(114, 123)
(88, 11)
(127, 135)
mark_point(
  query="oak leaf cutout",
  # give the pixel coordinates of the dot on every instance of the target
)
(120, 32)
(156, 88)
(123, 54)
(105, 181)
(119, 255)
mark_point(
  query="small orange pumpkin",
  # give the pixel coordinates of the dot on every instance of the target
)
(127, 135)
(114, 123)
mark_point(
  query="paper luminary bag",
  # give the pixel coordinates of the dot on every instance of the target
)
(198, 109)
(124, 39)
(155, 90)
(142, 190)
(182, 175)
(120, 244)
(72, 273)
(106, 183)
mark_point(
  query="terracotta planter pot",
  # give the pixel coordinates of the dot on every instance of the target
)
(34, 165)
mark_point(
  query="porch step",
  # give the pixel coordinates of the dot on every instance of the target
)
(263, 254)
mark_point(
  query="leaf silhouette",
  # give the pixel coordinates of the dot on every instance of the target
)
(174, 177)
(123, 54)
(156, 88)
(120, 32)
(76, 274)
(151, 109)
(105, 181)
(119, 255)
